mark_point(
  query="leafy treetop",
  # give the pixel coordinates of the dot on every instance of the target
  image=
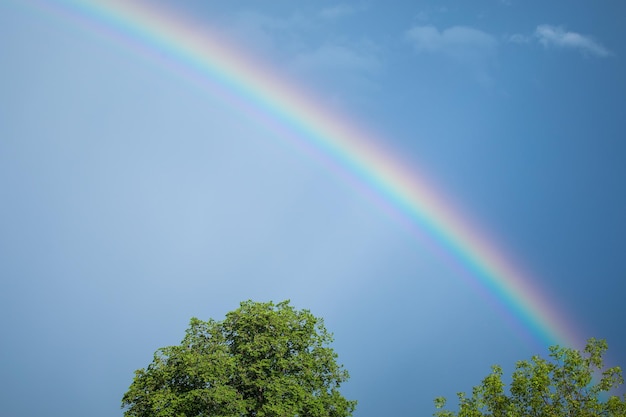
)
(570, 384)
(263, 360)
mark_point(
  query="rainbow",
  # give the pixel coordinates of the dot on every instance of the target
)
(255, 88)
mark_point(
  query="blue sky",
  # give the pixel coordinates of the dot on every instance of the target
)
(133, 200)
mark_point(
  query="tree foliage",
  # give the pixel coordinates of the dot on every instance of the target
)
(570, 384)
(263, 360)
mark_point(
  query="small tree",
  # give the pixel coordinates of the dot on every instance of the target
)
(263, 360)
(561, 387)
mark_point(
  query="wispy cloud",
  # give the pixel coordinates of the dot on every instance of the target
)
(454, 41)
(311, 47)
(558, 37)
(519, 38)
(353, 66)
(472, 48)
(266, 34)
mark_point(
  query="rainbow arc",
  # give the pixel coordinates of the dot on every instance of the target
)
(260, 91)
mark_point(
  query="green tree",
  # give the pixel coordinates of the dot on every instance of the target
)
(571, 384)
(263, 360)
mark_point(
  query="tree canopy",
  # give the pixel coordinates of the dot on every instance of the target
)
(571, 383)
(263, 360)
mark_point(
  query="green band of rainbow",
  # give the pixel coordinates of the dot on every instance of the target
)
(208, 55)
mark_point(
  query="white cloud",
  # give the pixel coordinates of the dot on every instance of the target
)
(340, 68)
(265, 34)
(310, 48)
(473, 49)
(519, 38)
(454, 41)
(557, 36)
